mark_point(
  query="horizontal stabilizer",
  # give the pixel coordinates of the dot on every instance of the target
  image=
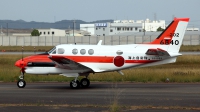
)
(157, 51)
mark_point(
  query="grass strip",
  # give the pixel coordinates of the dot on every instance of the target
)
(122, 107)
(186, 69)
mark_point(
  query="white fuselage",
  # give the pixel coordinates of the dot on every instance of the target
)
(102, 58)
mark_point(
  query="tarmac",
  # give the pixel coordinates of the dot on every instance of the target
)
(100, 97)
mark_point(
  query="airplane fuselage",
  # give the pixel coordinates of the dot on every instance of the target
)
(101, 58)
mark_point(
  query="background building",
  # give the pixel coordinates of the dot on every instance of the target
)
(52, 32)
(88, 28)
(122, 26)
(105, 29)
(149, 25)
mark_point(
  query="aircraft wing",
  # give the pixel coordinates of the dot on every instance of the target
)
(65, 63)
(157, 51)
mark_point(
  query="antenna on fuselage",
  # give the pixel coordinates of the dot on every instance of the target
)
(100, 42)
(22, 53)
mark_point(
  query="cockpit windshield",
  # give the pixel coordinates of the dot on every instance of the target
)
(52, 50)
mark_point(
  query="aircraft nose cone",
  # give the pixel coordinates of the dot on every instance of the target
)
(19, 63)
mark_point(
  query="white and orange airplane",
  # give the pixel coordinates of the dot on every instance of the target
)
(81, 60)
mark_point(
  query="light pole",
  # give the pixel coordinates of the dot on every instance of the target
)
(144, 27)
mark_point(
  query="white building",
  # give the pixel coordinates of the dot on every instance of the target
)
(105, 29)
(149, 25)
(87, 27)
(51, 32)
(122, 26)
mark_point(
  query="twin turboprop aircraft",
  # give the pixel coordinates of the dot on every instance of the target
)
(81, 60)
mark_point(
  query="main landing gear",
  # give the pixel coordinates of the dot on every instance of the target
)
(83, 83)
(21, 82)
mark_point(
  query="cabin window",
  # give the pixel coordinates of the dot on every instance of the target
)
(83, 51)
(129, 57)
(119, 52)
(137, 57)
(75, 51)
(61, 51)
(133, 57)
(90, 51)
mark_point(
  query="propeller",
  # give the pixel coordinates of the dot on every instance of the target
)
(34, 50)
(22, 62)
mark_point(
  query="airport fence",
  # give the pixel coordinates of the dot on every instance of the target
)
(107, 40)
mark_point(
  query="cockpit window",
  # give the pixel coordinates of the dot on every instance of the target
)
(52, 50)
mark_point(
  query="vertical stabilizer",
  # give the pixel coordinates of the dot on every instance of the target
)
(178, 35)
(173, 34)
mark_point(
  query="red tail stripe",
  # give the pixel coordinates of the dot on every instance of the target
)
(181, 19)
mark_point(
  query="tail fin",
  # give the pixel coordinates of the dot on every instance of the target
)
(173, 34)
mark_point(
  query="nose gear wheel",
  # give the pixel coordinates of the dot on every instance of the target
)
(21, 83)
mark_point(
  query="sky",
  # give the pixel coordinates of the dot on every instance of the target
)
(92, 10)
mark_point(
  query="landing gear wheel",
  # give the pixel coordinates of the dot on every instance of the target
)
(85, 82)
(74, 84)
(21, 83)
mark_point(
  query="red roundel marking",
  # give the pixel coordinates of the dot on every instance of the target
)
(119, 61)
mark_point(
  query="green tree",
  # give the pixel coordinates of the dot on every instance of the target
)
(35, 32)
(160, 29)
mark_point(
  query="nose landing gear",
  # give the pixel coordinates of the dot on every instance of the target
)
(21, 83)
